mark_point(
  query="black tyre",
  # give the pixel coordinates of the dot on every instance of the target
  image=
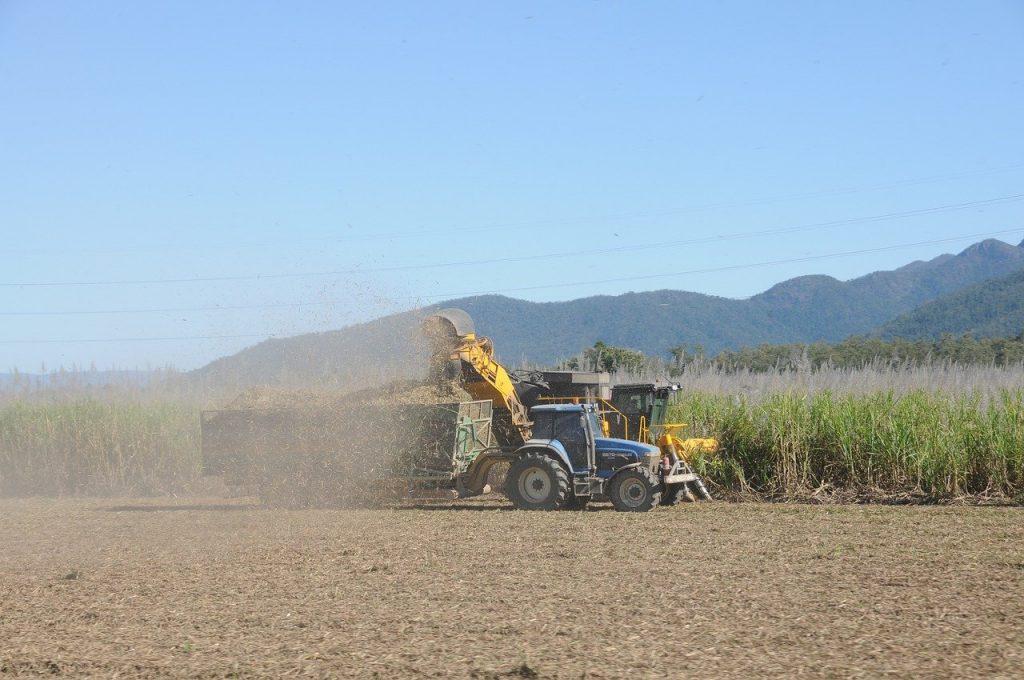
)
(537, 482)
(635, 490)
(676, 494)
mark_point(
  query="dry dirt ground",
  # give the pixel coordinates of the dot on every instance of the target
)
(188, 587)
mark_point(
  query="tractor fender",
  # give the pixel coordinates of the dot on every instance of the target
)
(548, 447)
(622, 469)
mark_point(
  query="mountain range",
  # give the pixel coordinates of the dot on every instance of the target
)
(917, 298)
(994, 308)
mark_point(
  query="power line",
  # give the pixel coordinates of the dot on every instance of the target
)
(177, 310)
(725, 268)
(146, 339)
(524, 258)
(358, 237)
(646, 277)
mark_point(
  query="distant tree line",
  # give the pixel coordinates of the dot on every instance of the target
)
(859, 351)
(854, 352)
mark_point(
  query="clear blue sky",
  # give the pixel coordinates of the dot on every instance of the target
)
(182, 140)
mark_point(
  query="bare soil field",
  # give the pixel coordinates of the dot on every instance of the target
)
(208, 588)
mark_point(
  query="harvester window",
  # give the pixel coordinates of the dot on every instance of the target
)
(630, 402)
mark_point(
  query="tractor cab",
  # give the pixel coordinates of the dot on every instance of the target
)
(571, 427)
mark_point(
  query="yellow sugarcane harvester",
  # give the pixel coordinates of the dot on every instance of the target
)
(635, 412)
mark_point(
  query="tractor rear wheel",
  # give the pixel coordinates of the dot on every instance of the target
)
(635, 490)
(537, 482)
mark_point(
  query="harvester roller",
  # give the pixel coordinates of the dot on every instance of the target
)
(460, 323)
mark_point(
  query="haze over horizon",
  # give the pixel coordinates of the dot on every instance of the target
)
(218, 175)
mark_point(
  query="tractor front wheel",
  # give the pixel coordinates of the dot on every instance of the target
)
(635, 490)
(537, 482)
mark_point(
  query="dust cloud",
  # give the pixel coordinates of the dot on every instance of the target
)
(318, 447)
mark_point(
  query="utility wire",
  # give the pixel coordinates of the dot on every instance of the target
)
(706, 270)
(725, 268)
(359, 236)
(177, 310)
(544, 256)
(147, 339)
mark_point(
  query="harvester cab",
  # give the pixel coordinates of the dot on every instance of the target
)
(640, 406)
(640, 411)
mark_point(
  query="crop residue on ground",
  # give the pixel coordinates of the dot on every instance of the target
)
(166, 587)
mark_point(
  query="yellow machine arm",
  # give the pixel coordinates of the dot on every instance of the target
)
(456, 346)
(496, 385)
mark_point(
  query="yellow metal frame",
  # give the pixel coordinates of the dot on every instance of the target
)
(606, 405)
(685, 448)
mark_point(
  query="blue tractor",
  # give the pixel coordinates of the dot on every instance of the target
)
(567, 462)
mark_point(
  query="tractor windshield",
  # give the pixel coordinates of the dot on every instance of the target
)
(572, 429)
(543, 424)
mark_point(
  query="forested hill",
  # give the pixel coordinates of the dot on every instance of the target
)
(986, 310)
(804, 309)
